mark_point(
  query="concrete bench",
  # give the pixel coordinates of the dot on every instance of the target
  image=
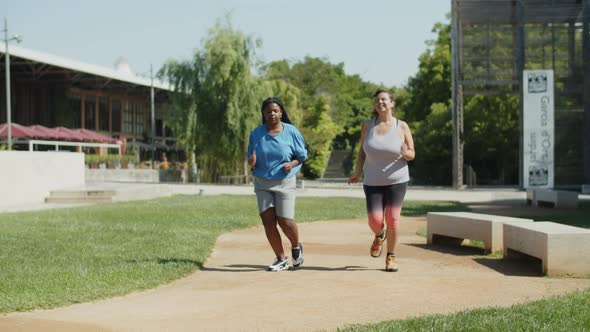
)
(549, 197)
(467, 225)
(562, 249)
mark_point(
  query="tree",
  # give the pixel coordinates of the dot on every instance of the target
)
(432, 83)
(318, 130)
(492, 137)
(215, 100)
(182, 115)
(490, 122)
(349, 99)
(313, 76)
(432, 137)
(348, 95)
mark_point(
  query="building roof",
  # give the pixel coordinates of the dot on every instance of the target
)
(78, 66)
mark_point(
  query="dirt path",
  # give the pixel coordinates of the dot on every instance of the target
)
(338, 284)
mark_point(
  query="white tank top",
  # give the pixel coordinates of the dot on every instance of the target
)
(384, 164)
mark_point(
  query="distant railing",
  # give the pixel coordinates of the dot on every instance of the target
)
(57, 144)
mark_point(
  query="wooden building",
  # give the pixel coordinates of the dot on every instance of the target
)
(53, 91)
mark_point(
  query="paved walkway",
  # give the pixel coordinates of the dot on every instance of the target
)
(136, 191)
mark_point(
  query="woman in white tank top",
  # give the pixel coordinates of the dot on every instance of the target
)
(386, 146)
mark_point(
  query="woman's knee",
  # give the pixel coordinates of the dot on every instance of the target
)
(393, 222)
(285, 222)
(269, 217)
(376, 220)
(393, 217)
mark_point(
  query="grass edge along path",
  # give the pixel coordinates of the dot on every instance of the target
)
(58, 257)
(565, 313)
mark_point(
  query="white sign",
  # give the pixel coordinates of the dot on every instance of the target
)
(538, 129)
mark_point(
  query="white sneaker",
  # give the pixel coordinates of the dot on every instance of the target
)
(279, 265)
(297, 254)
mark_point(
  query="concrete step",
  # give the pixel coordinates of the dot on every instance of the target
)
(82, 193)
(335, 167)
(334, 174)
(78, 199)
(80, 196)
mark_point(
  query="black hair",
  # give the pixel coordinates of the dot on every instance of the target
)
(278, 101)
(284, 116)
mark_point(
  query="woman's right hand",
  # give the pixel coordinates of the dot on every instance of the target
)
(252, 159)
(355, 177)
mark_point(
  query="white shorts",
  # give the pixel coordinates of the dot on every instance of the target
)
(279, 194)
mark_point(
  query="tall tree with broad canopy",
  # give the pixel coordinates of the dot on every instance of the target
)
(346, 103)
(216, 100)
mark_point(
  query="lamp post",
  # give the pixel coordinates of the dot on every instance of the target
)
(18, 39)
(153, 112)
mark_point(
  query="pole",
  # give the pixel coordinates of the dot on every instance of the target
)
(457, 96)
(520, 59)
(153, 111)
(7, 63)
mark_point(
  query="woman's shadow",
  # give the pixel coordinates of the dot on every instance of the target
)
(256, 268)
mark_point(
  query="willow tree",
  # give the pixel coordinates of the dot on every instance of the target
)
(215, 100)
(182, 117)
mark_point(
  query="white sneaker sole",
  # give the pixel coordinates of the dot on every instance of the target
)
(298, 262)
(278, 268)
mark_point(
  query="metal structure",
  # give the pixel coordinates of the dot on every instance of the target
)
(7, 82)
(493, 41)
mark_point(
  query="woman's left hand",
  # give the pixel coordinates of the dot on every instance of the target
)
(407, 153)
(288, 167)
(404, 150)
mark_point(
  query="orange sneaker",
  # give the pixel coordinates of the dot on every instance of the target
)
(390, 265)
(377, 246)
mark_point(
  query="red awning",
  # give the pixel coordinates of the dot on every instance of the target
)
(17, 131)
(69, 134)
(43, 132)
(93, 136)
(54, 134)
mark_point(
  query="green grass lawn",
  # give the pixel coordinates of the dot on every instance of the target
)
(565, 313)
(579, 217)
(56, 257)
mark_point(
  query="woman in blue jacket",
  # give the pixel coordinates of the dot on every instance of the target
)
(276, 151)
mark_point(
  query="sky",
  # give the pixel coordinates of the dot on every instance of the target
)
(380, 40)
